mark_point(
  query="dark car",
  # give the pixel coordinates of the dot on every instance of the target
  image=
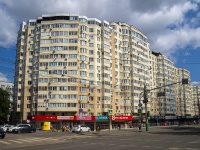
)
(2, 133)
(24, 129)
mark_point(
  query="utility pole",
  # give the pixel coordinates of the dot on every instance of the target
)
(145, 101)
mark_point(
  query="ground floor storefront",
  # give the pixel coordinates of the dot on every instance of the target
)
(94, 122)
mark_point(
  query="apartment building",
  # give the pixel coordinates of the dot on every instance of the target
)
(165, 75)
(69, 62)
(196, 100)
(184, 94)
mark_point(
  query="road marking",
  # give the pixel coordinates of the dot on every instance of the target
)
(122, 145)
(5, 142)
(145, 146)
(93, 143)
(25, 140)
(15, 141)
(84, 142)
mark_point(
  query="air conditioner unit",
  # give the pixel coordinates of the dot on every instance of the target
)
(65, 67)
(29, 34)
(47, 108)
(50, 37)
(44, 29)
(65, 59)
(49, 83)
(89, 40)
(46, 67)
(29, 41)
(88, 109)
(53, 51)
(88, 101)
(27, 70)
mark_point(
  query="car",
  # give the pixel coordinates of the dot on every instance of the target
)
(17, 127)
(81, 128)
(24, 129)
(6, 127)
(2, 133)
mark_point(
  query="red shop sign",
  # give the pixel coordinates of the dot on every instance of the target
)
(65, 117)
(121, 118)
(42, 117)
(85, 118)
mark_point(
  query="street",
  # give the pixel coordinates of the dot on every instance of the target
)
(179, 137)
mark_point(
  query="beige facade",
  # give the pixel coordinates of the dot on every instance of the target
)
(184, 96)
(67, 62)
(196, 100)
(165, 75)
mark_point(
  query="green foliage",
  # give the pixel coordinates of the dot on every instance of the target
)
(4, 105)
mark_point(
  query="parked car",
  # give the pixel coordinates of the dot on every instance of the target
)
(24, 129)
(6, 127)
(17, 127)
(81, 128)
(2, 133)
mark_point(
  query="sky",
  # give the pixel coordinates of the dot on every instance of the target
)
(172, 26)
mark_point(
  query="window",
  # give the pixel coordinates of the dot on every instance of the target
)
(83, 97)
(91, 67)
(91, 74)
(91, 44)
(83, 89)
(91, 52)
(91, 59)
(91, 29)
(83, 73)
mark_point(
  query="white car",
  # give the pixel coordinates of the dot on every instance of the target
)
(80, 128)
(18, 126)
(6, 127)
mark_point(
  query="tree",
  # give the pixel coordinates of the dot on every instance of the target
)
(4, 105)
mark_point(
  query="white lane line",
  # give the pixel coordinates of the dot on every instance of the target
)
(15, 141)
(5, 142)
(25, 140)
(145, 146)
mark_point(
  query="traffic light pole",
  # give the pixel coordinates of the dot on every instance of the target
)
(184, 81)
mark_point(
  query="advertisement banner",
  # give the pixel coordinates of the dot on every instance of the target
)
(65, 117)
(122, 118)
(87, 118)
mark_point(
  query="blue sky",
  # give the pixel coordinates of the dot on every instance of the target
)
(172, 26)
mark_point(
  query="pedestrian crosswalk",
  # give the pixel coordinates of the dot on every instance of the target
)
(39, 140)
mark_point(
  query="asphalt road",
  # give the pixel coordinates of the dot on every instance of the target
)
(163, 138)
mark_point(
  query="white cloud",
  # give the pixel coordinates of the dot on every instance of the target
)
(195, 83)
(3, 77)
(8, 30)
(153, 18)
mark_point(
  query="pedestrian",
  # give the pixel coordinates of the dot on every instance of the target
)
(139, 126)
(194, 122)
(119, 127)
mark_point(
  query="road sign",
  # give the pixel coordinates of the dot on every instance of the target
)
(110, 112)
(80, 110)
(139, 111)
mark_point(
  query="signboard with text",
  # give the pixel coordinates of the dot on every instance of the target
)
(101, 118)
(85, 118)
(122, 118)
(65, 117)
